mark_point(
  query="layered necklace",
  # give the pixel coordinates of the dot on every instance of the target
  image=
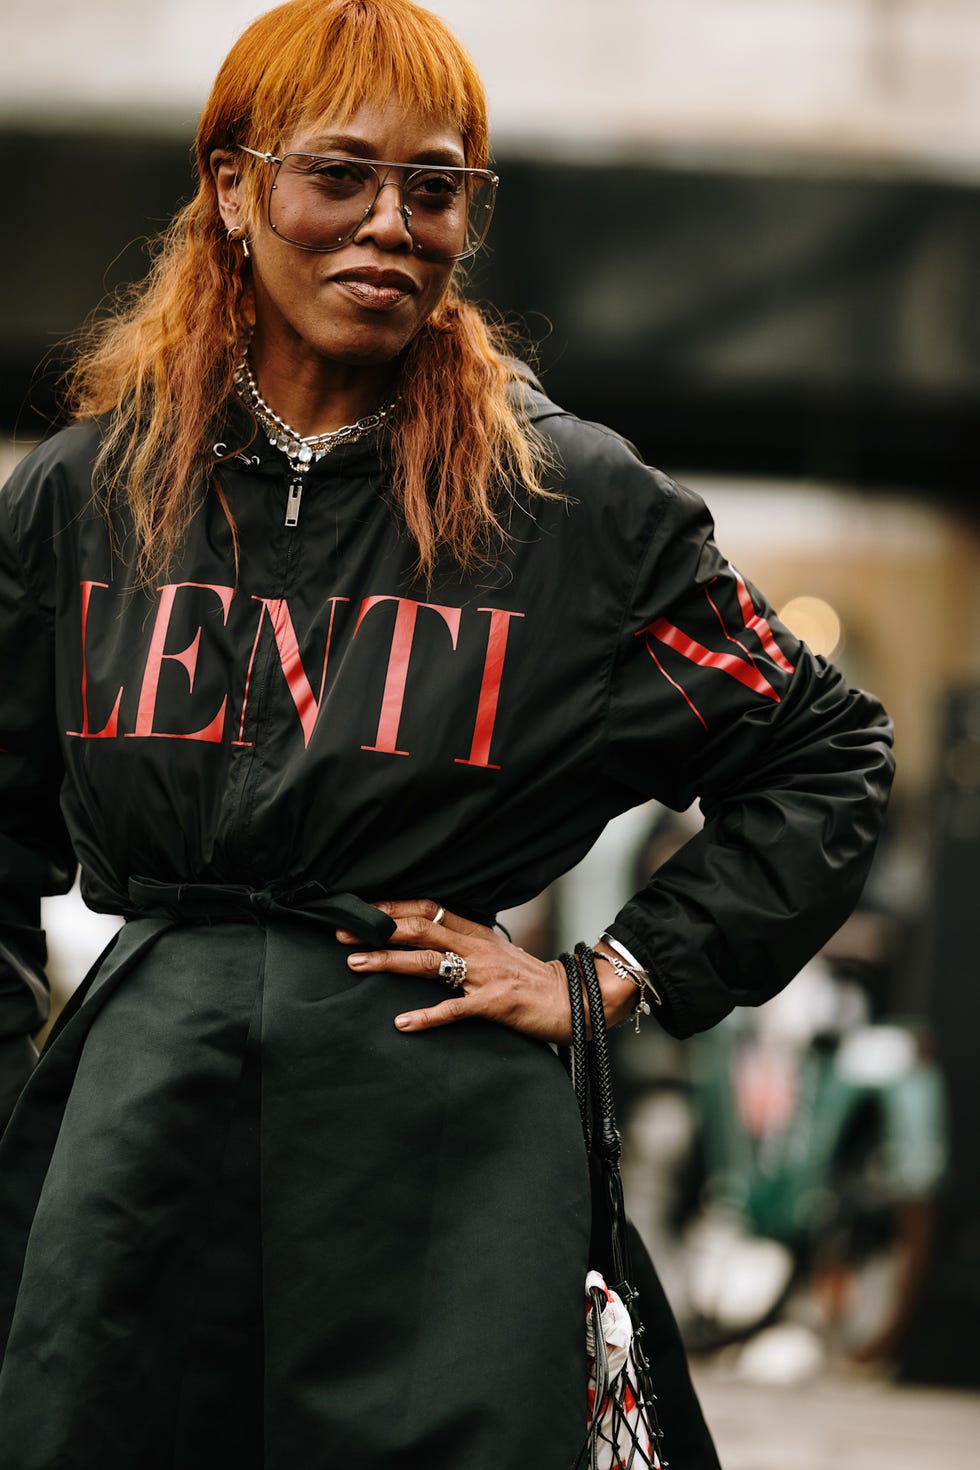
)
(300, 450)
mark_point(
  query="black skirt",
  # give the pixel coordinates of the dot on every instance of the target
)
(246, 1222)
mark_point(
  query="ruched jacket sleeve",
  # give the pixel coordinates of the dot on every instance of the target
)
(790, 765)
(35, 852)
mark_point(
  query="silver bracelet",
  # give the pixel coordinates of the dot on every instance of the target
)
(631, 965)
(640, 1004)
(640, 974)
(624, 954)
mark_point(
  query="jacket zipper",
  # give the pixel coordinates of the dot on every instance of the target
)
(292, 502)
(250, 771)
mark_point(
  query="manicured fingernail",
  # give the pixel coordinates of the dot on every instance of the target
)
(402, 1022)
(357, 961)
(344, 936)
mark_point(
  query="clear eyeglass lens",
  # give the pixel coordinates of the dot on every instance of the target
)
(320, 202)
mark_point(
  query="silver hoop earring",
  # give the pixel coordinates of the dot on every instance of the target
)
(237, 233)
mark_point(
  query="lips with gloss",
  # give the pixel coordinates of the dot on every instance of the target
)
(380, 290)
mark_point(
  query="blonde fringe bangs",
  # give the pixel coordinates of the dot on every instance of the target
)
(161, 366)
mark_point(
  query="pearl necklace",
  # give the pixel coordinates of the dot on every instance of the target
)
(300, 450)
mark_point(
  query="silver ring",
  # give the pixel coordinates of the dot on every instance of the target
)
(440, 915)
(452, 969)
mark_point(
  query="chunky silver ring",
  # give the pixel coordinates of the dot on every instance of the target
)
(452, 969)
(440, 915)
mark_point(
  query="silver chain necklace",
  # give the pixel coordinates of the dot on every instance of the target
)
(300, 450)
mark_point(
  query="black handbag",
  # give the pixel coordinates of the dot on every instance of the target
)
(623, 1431)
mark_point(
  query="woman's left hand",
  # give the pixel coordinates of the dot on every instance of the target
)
(502, 981)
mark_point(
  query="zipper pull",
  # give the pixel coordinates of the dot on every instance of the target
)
(292, 503)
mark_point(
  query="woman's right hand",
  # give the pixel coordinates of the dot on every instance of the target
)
(499, 980)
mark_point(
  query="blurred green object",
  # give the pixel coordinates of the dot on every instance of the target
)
(867, 1131)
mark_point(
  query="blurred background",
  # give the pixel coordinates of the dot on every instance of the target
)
(746, 234)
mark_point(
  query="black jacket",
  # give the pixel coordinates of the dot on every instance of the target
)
(323, 716)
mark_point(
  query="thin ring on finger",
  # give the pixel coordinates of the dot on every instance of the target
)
(440, 914)
(452, 969)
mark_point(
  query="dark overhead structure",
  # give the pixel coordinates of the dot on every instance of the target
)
(763, 320)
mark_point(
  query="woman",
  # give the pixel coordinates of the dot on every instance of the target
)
(335, 637)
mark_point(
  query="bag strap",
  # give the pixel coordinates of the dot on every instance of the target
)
(607, 1145)
(592, 1075)
(579, 1050)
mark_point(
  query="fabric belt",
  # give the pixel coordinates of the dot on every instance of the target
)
(310, 903)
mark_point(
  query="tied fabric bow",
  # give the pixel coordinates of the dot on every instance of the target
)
(617, 1437)
(310, 903)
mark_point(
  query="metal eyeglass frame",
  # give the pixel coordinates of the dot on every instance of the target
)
(407, 170)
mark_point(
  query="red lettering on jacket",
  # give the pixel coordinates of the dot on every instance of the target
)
(187, 657)
(402, 638)
(743, 666)
(307, 694)
(493, 669)
(307, 703)
(111, 726)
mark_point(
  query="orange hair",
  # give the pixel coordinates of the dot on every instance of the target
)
(161, 367)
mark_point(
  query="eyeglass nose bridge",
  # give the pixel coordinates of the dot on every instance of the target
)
(387, 183)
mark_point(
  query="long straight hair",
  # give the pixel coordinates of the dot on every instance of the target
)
(161, 367)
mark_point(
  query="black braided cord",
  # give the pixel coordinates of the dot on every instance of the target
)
(592, 1078)
(600, 1072)
(579, 1048)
